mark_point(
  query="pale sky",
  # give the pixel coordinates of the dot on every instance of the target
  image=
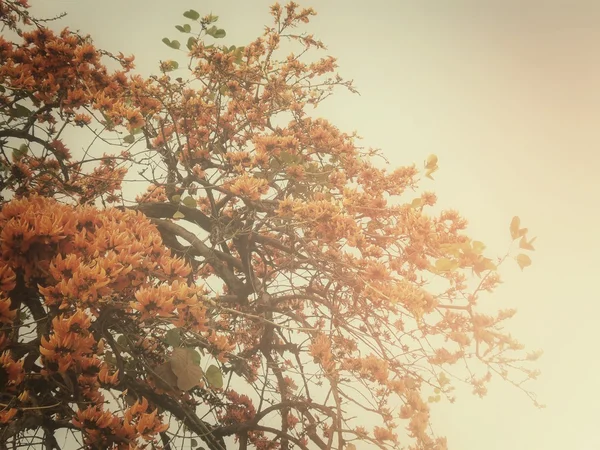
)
(507, 94)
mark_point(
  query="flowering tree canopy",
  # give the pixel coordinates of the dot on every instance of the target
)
(271, 284)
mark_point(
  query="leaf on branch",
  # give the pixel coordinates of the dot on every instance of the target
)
(172, 44)
(169, 66)
(173, 337)
(526, 245)
(183, 366)
(178, 215)
(478, 247)
(514, 227)
(191, 14)
(18, 153)
(185, 28)
(215, 32)
(416, 203)
(523, 260)
(431, 165)
(122, 341)
(446, 265)
(19, 111)
(167, 379)
(189, 201)
(431, 162)
(191, 42)
(214, 377)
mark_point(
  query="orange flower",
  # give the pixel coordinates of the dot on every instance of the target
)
(152, 302)
(91, 418)
(248, 186)
(384, 434)
(82, 119)
(174, 267)
(13, 369)
(70, 341)
(105, 378)
(60, 150)
(6, 415)
(7, 315)
(320, 350)
(86, 54)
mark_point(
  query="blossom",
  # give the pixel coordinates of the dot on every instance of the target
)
(154, 302)
(248, 186)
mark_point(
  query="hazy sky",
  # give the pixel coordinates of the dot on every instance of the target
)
(506, 93)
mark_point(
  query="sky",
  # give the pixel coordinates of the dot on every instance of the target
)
(506, 94)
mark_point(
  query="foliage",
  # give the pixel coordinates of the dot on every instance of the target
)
(271, 285)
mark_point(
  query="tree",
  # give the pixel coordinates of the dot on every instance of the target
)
(271, 284)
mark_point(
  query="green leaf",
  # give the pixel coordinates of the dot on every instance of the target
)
(191, 14)
(212, 19)
(20, 111)
(211, 31)
(178, 215)
(523, 260)
(18, 153)
(514, 227)
(122, 341)
(172, 44)
(176, 198)
(431, 162)
(110, 358)
(489, 264)
(170, 65)
(129, 139)
(478, 247)
(189, 201)
(173, 337)
(214, 377)
(195, 356)
(443, 379)
(191, 42)
(416, 203)
(445, 264)
(194, 443)
(239, 54)
(220, 33)
(185, 28)
(526, 245)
